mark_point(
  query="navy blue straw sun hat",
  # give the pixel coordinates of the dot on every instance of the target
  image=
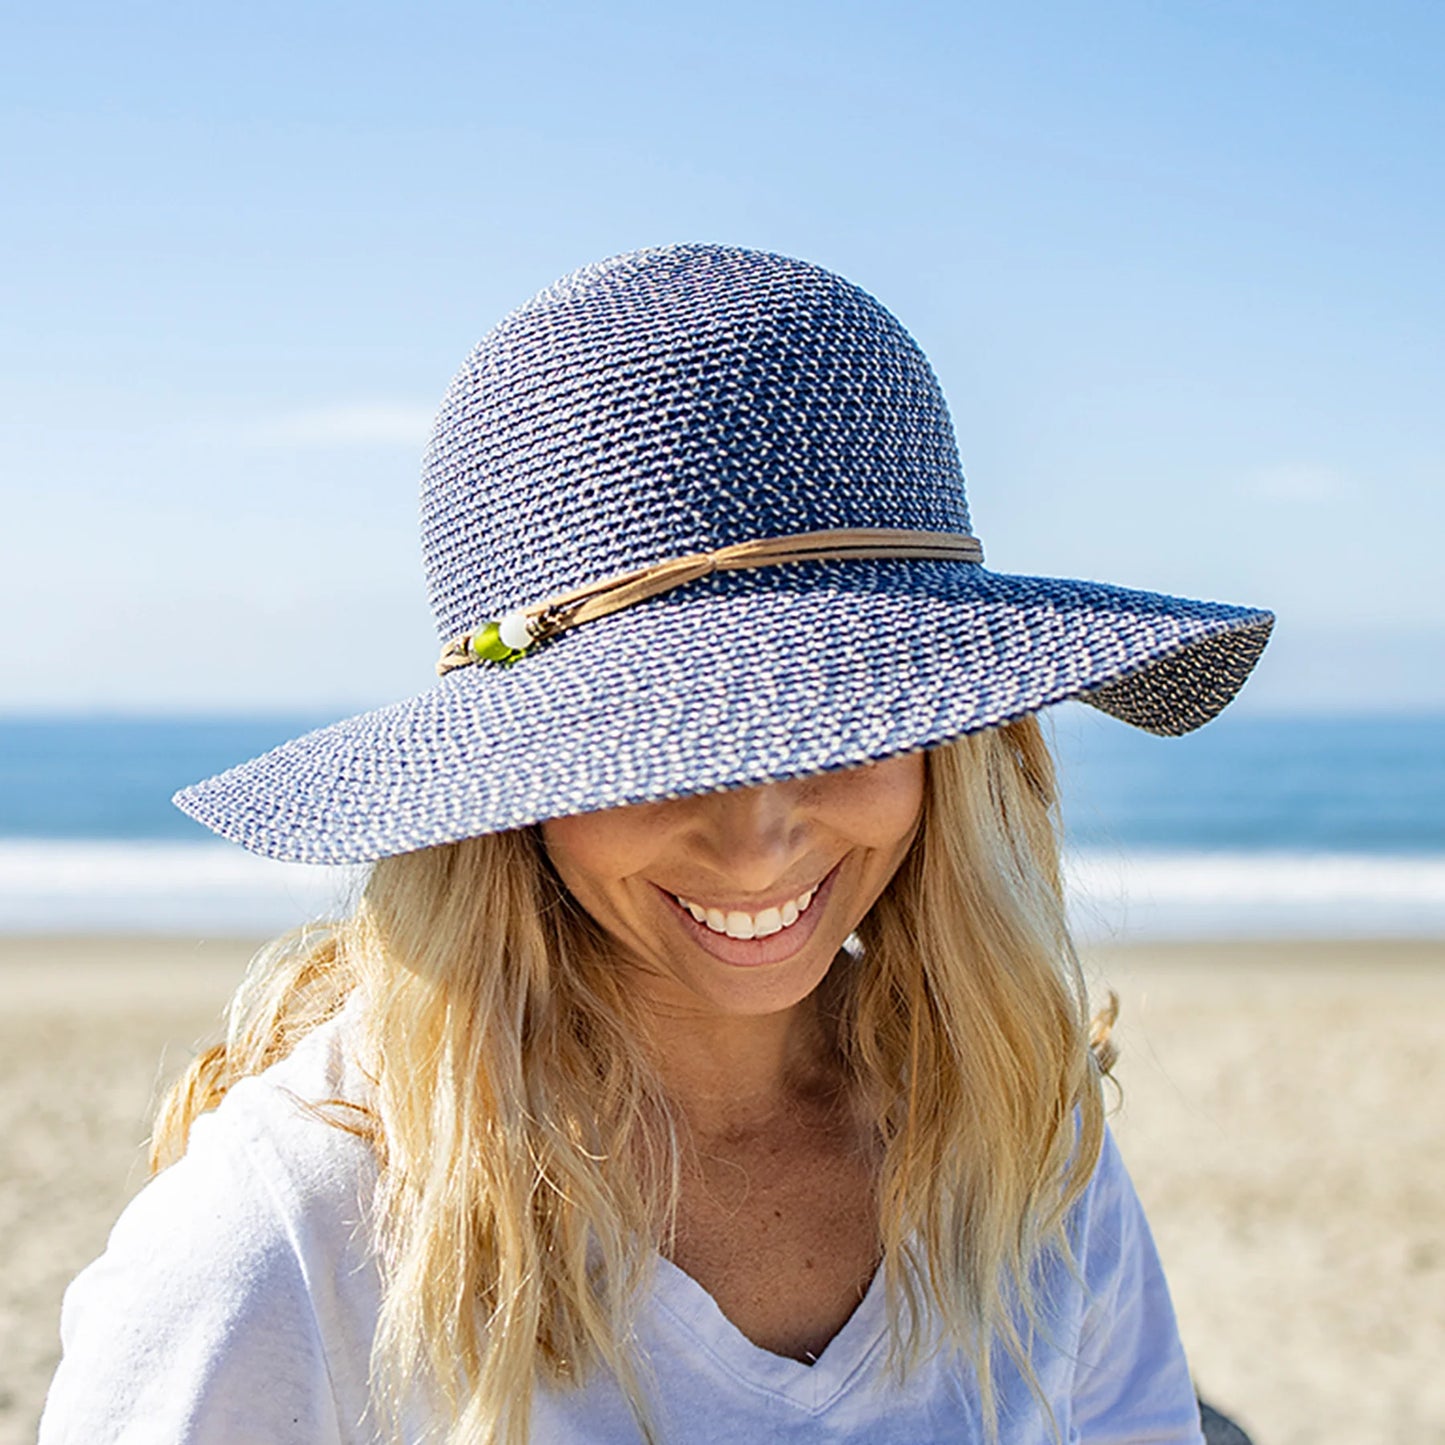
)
(693, 518)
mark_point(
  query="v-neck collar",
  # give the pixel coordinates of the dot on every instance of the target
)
(809, 1387)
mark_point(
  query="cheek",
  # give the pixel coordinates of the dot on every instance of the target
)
(594, 851)
(885, 802)
(571, 845)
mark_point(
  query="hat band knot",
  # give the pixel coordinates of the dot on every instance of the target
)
(506, 638)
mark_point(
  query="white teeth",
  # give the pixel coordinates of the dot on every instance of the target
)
(740, 925)
(770, 920)
(737, 924)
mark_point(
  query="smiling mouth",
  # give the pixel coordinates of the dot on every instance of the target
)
(734, 923)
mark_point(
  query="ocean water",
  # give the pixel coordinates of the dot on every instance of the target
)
(1255, 826)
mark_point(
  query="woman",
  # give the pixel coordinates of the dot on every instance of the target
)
(707, 1059)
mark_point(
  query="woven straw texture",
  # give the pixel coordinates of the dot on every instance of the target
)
(679, 400)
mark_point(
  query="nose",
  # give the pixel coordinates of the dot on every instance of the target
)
(752, 836)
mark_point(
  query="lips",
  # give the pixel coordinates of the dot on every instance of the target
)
(773, 945)
(738, 924)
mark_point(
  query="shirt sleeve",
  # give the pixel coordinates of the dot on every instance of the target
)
(1131, 1382)
(196, 1326)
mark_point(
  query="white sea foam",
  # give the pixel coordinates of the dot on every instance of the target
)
(95, 887)
(1256, 895)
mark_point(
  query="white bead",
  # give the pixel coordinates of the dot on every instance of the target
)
(514, 631)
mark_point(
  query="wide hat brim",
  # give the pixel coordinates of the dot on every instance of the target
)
(737, 679)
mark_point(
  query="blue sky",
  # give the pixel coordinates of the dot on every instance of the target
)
(1178, 266)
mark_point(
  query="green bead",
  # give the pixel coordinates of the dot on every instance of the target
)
(487, 645)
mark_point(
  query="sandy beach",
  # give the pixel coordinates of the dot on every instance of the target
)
(1282, 1110)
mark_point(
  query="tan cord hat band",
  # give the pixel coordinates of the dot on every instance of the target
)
(507, 638)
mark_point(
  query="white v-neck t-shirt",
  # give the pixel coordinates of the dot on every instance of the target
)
(237, 1301)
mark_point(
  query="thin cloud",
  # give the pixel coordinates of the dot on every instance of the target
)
(1297, 483)
(383, 423)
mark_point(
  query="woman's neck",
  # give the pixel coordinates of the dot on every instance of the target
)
(730, 1074)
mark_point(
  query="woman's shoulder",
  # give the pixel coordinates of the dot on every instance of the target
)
(1109, 1185)
(1108, 1234)
(1127, 1363)
(282, 1168)
(300, 1129)
(248, 1259)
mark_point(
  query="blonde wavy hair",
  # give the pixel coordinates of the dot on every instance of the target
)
(529, 1156)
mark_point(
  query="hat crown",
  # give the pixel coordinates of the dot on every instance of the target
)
(670, 401)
